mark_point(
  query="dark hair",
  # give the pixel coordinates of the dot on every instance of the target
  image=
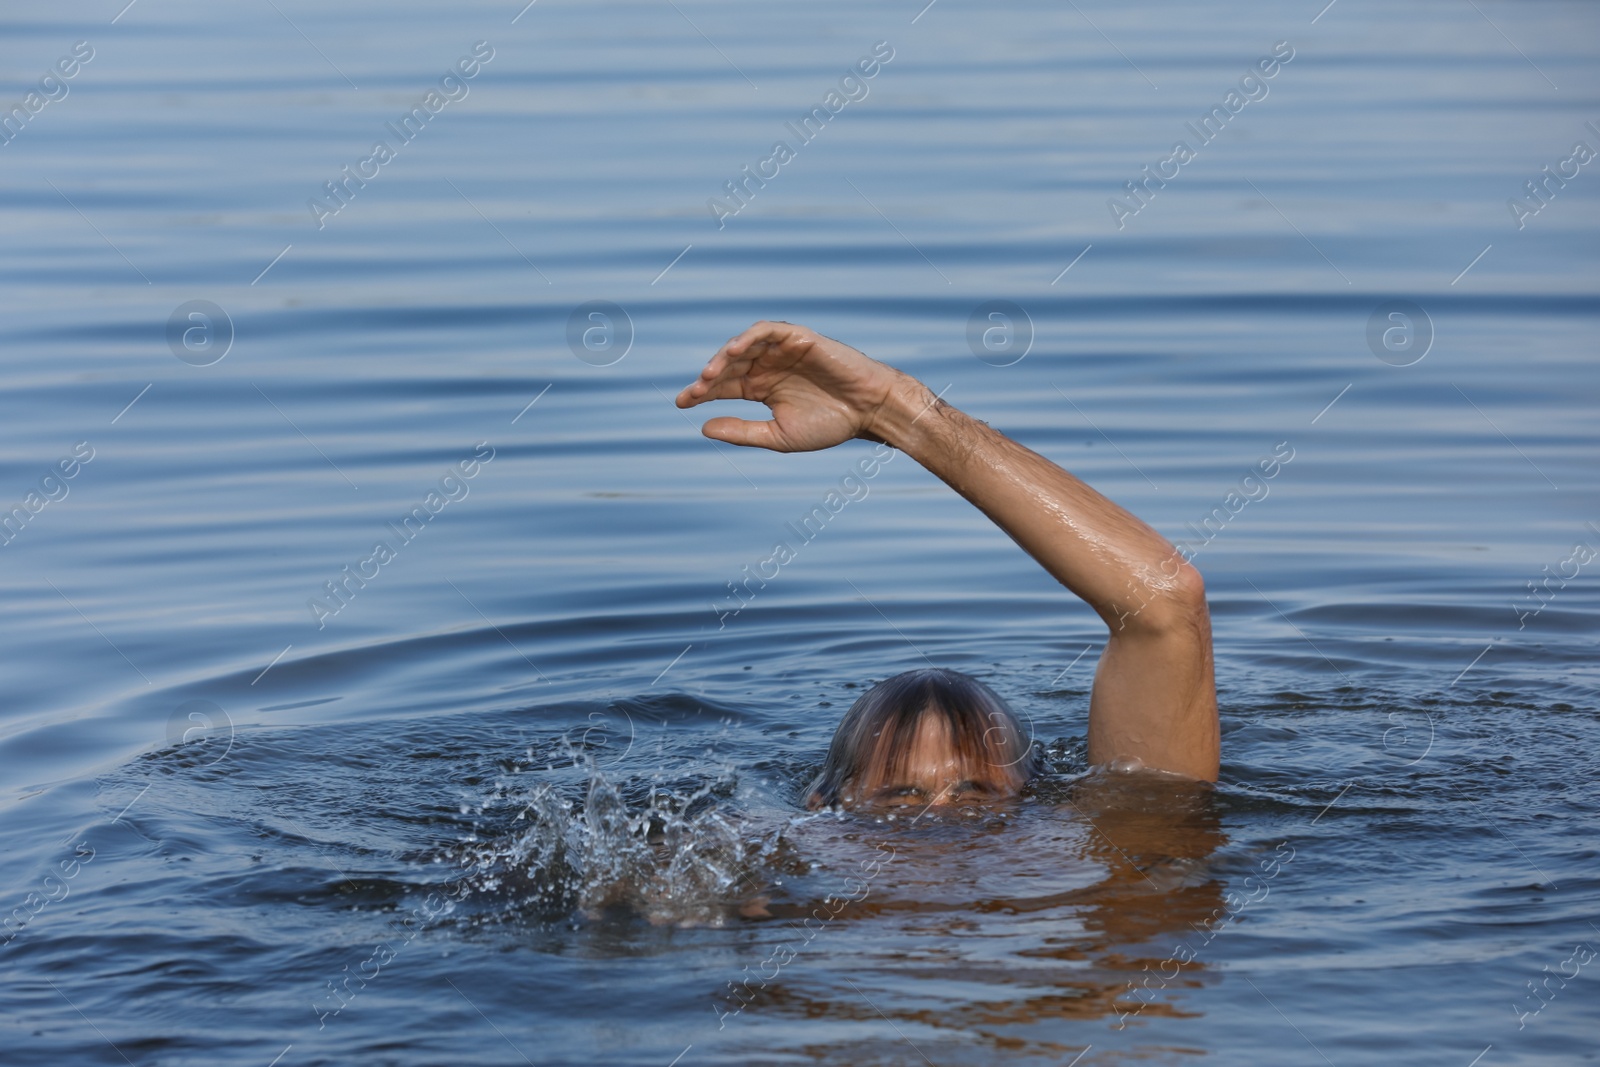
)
(877, 734)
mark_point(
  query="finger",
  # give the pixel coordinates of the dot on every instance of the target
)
(721, 365)
(744, 432)
(773, 335)
(758, 339)
(724, 367)
(729, 388)
(756, 331)
(712, 386)
(734, 359)
(731, 351)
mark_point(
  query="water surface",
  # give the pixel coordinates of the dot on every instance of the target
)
(531, 792)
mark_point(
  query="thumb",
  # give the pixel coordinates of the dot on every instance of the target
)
(743, 432)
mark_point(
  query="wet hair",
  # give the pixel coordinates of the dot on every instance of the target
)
(876, 737)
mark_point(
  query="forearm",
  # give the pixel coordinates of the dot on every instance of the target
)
(1122, 568)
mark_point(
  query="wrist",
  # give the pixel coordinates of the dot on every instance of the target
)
(905, 411)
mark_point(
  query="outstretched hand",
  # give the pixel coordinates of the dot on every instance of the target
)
(821, 392)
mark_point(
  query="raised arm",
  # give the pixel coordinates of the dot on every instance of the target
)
(1154, 698)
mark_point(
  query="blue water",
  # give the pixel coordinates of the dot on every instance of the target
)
(528, 792)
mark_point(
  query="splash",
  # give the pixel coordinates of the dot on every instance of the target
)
(669, 856)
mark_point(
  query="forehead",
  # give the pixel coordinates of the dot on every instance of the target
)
(928, 751)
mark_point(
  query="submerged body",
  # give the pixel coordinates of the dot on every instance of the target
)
(936, 736)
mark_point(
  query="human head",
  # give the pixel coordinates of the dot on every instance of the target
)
(924, 737)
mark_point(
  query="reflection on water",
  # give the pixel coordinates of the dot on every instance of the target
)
(1061, 886)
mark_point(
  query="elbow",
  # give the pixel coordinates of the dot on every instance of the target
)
(1189, 589)
(1177, 604)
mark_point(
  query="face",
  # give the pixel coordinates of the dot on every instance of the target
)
(934, 773)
